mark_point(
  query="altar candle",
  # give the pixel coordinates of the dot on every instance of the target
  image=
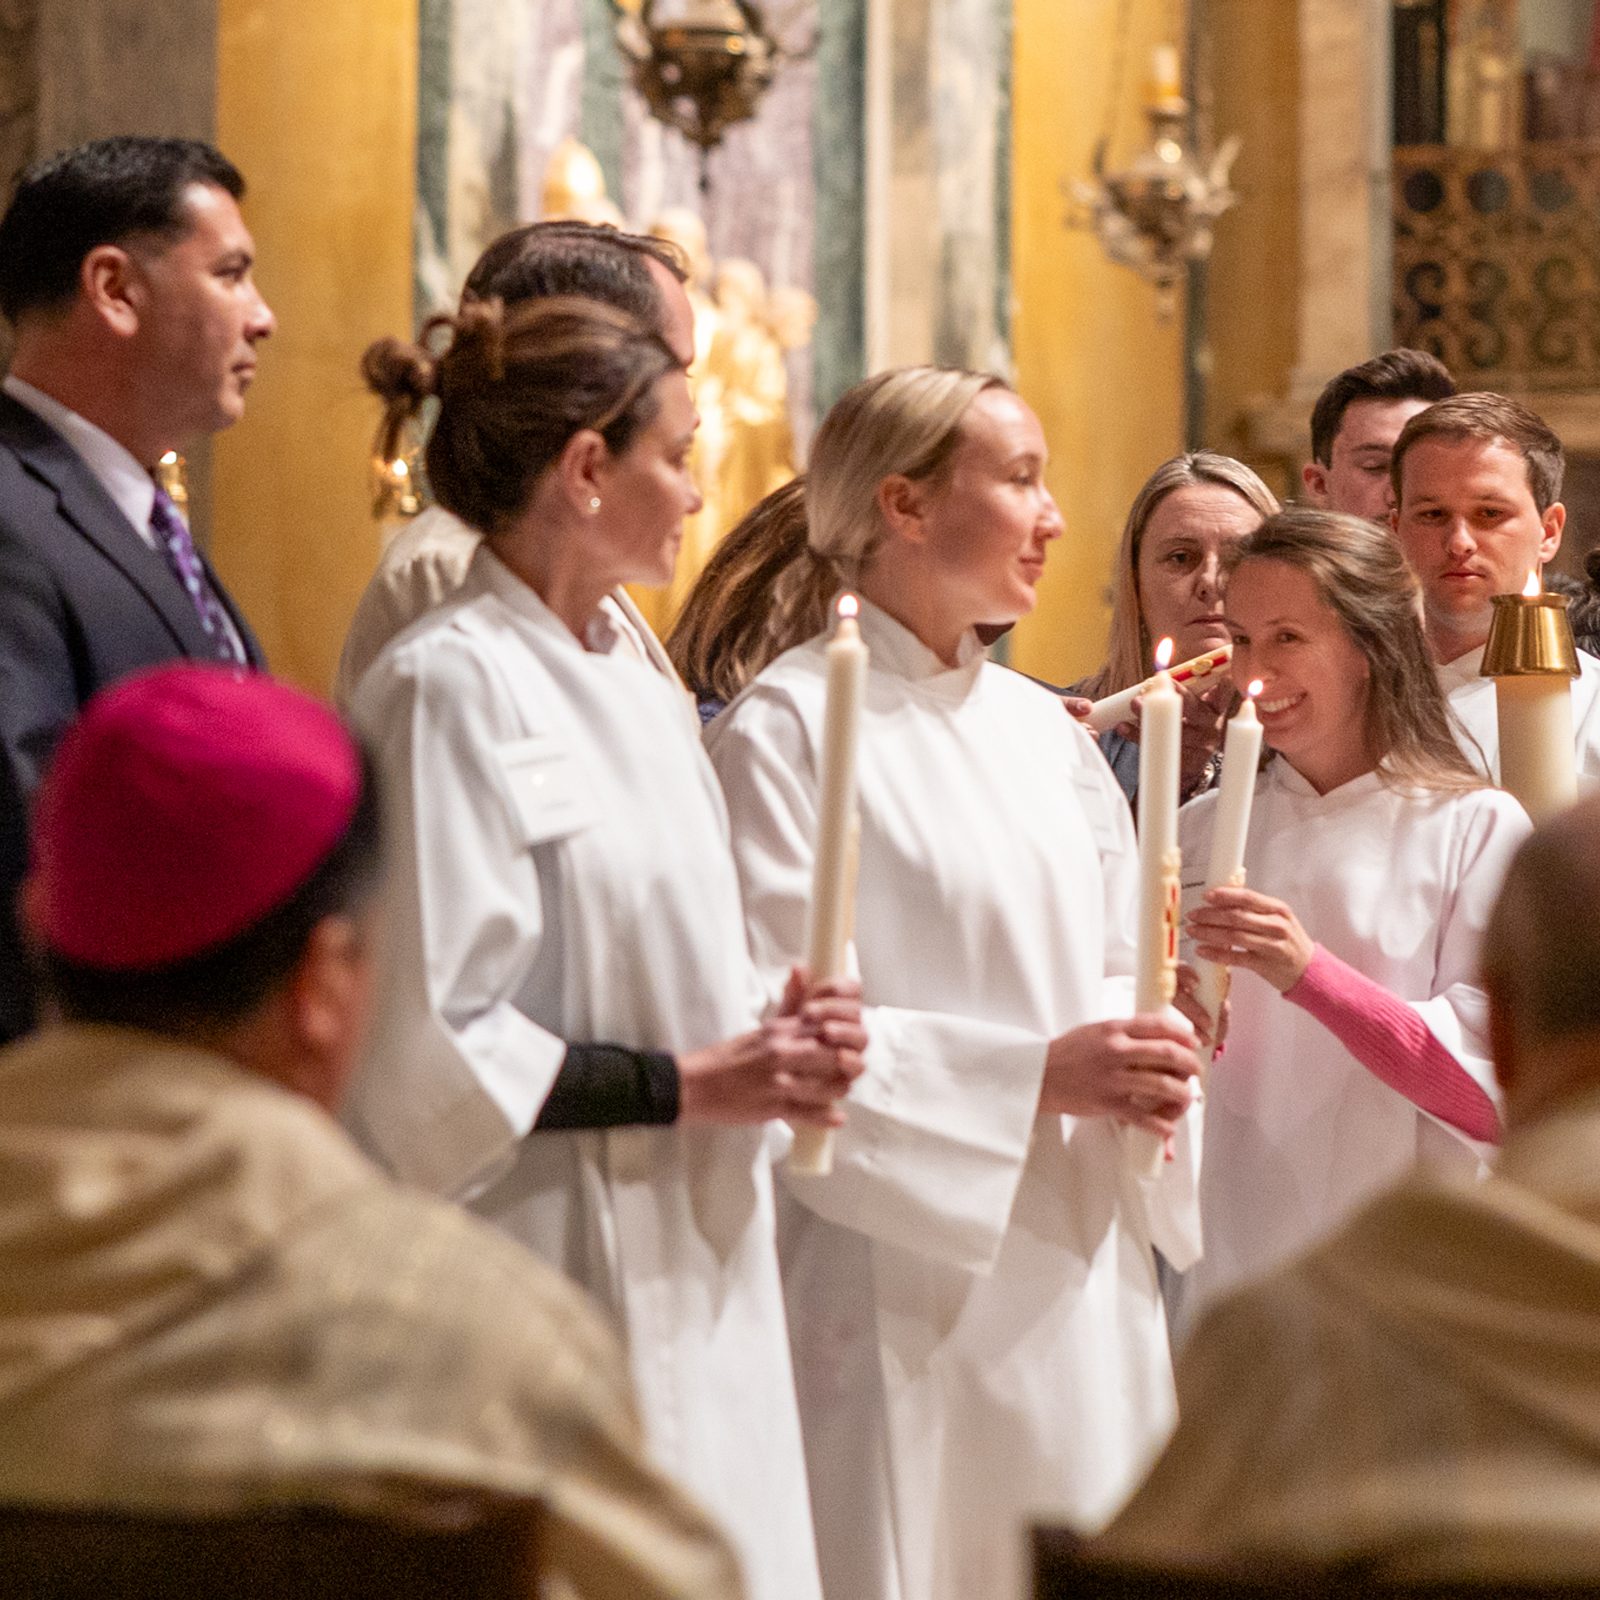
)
(1107, 713)
(1530, 656)
(1156, 972)
(1165, 84)
(833, 868)
(1241, 757)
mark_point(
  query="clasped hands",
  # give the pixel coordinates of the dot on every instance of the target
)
(796, 1065)
(1141, 1070)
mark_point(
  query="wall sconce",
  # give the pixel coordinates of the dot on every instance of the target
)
(701, 65)
(1156, 215)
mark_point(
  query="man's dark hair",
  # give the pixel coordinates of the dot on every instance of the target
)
(1395, 375)
(1489, 419)
(107, 192)
(563, 257)
(226, 983)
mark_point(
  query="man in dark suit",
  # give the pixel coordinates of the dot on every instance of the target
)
(125, 272)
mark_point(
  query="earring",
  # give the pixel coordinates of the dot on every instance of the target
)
(594, 502)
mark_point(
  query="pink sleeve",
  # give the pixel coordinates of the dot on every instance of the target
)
(1394, 1044)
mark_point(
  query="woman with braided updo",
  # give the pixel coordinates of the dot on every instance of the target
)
(570, 1041)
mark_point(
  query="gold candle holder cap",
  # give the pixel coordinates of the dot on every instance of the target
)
(1530, 636)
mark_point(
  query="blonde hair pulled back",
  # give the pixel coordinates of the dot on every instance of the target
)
(904, 423)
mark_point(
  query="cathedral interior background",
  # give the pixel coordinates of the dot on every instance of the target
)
(911, 186)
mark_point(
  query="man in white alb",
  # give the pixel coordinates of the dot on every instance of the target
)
(1477, 483)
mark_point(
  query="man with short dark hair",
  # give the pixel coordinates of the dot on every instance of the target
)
(125, 271)
(427, 561)
(1356, 420)
(1419, 1398)
(1477, 482)
(210, 1302)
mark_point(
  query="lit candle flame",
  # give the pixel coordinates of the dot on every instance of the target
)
(401, 470)
(170, 459)
(848, 605)
(1164, 655)
(1533, 586)
(1255, 688)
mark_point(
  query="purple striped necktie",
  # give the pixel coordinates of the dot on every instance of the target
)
(178, 543)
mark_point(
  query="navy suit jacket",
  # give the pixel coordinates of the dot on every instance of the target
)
(83, 601)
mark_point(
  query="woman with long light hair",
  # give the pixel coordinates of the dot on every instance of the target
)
(1357, 1045)
(1191, 511)
(972, 1292)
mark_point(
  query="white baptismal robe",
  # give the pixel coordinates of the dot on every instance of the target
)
(972, 1297)
(421, 567)
(1472, 699)
(1298, 1132)
(561, 873)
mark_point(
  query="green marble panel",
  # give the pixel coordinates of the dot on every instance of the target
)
(839, 162)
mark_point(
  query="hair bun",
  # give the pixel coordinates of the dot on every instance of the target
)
(480, 336)
(399, 372)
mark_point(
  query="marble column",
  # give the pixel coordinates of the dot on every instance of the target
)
(938, 112)
(1342, 292)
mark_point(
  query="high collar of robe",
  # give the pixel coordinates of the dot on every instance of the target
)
(1285, 778)
(1464, 669)
(897, 650)
(492, 576)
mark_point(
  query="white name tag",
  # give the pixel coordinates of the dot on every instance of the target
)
(546, 788)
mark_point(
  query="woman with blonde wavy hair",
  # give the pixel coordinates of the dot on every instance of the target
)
(972, 1293)
(569, 1039)
(1357, 1047)
(1190, 512)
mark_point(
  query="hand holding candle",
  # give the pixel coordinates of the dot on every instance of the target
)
(1241, 756)
(834, 866)
(1116, 708)
(1160, 736)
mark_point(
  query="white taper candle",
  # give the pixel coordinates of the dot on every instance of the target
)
(833, 869)
(1156, 972)
(1241, 757)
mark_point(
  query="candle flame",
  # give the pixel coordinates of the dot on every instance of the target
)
(1533, 586)
(170, 459)
(1255, 688)
(848, 605)
(1164, 654)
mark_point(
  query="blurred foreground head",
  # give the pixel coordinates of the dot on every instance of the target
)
(205, 845)
(1542, 968)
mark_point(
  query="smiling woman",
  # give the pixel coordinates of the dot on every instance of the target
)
(1375, 852)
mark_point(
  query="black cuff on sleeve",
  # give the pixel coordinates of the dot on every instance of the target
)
(611, 1086)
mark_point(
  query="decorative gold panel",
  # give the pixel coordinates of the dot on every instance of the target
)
(1497, 262)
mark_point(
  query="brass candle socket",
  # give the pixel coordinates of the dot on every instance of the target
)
(1530, 636)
